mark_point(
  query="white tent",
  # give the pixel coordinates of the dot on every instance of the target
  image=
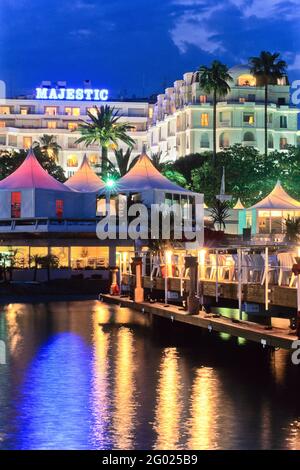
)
(278, 199)
(85, 179)
(268, 215)
(238, 205)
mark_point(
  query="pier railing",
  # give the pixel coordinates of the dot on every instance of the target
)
(261, 274)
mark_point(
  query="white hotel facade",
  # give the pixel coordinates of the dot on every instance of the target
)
(182, 120)
(24, 120)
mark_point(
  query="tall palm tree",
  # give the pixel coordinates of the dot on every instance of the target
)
(48, 146)
(214, 80)
(105, 129)
(267, 67)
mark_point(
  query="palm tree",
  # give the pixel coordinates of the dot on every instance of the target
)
(158, 162)
(267, 68)
(105, 129)
(214, 80)
(219, 213)
(122, 161)
(48, 146)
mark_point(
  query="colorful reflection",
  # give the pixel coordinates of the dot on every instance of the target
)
(100, 389)
(169, 402)
(204, 404)
(53, 407)
(124, 399)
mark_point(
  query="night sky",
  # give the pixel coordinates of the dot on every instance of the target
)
(138, 46)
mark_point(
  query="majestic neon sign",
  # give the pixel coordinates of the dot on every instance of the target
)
(76, 94)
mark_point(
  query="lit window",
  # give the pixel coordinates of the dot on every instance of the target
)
(72, 126)
(283, 143)
(93, 159)
(92, 111)
(2, 124)
(281, 81)
(150, 113)
(242, 100)
(16, 205)
(246, 80)
(27, 142)
(72, 111)
(248, 118)
(204, 119)
(24, 111)
(4, 110)
(52, 124)
(224, 141)
(59, 208)
(72, 161)
(51, 110)
(202, 98)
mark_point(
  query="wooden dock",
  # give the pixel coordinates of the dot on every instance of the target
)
(276, 338)
(278, 295)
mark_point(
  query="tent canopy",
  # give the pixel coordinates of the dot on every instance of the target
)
(277, 199)
(144, 176)
(31, 175)
(85, 180)
(239, 205)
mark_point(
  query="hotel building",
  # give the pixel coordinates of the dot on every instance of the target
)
(182, 120)
(25, 120)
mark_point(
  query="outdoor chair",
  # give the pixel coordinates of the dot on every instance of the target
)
(286, 261)
(273, 268)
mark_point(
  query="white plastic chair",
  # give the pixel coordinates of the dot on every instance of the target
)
(286, 261)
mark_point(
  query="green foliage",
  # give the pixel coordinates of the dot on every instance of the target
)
(176, 177)
(292, 229)
(267, 67)
(104, 128)
(11, 160)
(249, 175)
(48, 146)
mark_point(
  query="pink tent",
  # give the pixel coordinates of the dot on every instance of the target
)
(85, 180)
(31, 175)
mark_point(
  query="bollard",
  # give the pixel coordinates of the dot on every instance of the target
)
(296, 271)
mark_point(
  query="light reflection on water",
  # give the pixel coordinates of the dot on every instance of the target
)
(85, 375)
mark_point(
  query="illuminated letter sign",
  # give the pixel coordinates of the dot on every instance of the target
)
(76, 94)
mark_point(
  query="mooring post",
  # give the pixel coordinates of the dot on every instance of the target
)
(217, 277)
(137, 262)
(193, 302)
(266, 278)
(239, 273)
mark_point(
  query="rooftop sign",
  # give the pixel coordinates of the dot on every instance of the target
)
(77, 94)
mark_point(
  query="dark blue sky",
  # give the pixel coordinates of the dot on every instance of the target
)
(138, 46)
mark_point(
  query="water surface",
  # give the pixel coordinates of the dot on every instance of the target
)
(84, 375)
